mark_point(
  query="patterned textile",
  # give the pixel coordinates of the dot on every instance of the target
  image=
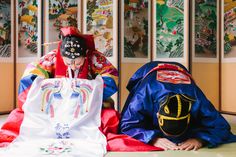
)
(61, 117)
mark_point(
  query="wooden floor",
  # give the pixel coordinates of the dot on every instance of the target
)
(227, 150)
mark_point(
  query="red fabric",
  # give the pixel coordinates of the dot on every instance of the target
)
(109, 126)
(124, 143)
(60, 72)
(118, 142)
(10, 129)
(166, 66)
(70, 31)
(89, 42)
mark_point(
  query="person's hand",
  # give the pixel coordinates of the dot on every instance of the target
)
(190, 144)
(164, 144)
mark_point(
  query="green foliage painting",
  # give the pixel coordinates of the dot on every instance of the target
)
(169, 28)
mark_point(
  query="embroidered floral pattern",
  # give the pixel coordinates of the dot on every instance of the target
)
(57, 148)
(97, 62)
(174, 77)
(47, 62)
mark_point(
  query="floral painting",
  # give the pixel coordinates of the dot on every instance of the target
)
(229, 29)
(205, 25)
(136, 29)
(169, 28)
(27, 28)
(5, 29)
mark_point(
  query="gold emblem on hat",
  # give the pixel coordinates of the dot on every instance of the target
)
(72, 50)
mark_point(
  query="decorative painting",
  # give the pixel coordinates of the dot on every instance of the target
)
(100, 19)
(28, 40)
(229, 26)
(135, 30)
(170, 35)
(205, 30)
(58, 13)
(6, 40)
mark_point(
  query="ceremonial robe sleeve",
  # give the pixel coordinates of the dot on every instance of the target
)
(138, 117)
(44, 68)
(101, 66)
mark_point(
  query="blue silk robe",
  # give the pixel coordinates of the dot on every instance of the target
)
(149, 85)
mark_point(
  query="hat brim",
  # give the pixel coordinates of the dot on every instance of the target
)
(174, 127)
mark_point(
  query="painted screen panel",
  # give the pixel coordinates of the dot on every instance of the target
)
(171, 30)
(6, 33)
(205, 34)
(101, 20)
(136, 31)
(58, 13)
(28, 30)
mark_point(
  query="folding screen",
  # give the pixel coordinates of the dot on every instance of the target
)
(205, 61)
(135, 31)
(7, 55)
(228, 56)
(57, 14)
(28, 30)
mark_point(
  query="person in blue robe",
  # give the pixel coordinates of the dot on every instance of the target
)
(166, 108)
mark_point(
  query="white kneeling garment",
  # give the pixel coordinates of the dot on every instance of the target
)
(61, 118)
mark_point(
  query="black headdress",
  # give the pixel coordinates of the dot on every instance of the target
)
(73, 45)
(174, 114)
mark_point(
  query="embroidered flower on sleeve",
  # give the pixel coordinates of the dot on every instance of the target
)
(48, 61)
(98, 62)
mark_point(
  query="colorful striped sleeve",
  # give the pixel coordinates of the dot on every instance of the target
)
(44, 68)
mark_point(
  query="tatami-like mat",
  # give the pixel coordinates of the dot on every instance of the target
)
(227, 150)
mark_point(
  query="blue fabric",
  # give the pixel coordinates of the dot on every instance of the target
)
(26, 82)
(110, 87)
(139, 120)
